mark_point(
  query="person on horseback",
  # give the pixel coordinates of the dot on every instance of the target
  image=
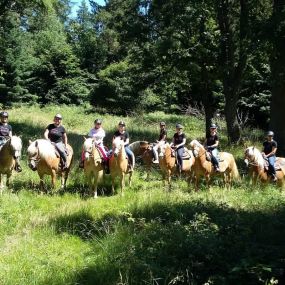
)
(6, 134)
(161, 140)
(56, 133)
(178, 142)
(98, 134)
(211, 145)
(124, 135)
(269, 153)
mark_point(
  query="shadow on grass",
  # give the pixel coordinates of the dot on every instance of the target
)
(189, 242)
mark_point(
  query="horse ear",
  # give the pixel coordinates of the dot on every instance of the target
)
(30, 142)
(85, 138)
(36, 144)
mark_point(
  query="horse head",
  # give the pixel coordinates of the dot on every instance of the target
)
(33, 154)
(88, 147)
(253, 155)
(16, 147)
(164, 150)
(118, 144)
(196, 147)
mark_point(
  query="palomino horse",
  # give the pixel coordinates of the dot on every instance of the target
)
(92, 165)
(10, 152)
(203, 167)
(167, 163)
(43, 158)
(257, 166)
(118, 164)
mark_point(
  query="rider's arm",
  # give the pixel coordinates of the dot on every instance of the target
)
(181, 144)
(46, 134)
(215, 144)
(127, 141)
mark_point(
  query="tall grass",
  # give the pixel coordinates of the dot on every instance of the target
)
(149, 236)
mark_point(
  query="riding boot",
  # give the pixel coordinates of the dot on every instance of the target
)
(274, 178)
(81, 164)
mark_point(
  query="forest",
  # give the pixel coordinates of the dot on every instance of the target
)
(215, 57)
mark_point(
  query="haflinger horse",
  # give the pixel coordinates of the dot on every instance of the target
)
(43, 157)
(93, 168)
(168, 166)
(118, 164)
(258, 166)
(9, 153)
(203, 167)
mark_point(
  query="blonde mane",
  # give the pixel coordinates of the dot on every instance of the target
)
(88, 144)
(44, 147)
(195, 143)
(255, 156)
(16, 143)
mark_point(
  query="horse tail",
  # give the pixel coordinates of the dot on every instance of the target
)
(235, 172)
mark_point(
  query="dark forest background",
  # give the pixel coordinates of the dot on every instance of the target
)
(132, 56)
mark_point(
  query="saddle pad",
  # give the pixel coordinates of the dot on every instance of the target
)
(278, 165)
(186, 154)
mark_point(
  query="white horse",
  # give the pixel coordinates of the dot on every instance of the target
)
(257, 166)
(9, 154)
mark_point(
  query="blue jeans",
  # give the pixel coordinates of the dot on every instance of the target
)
(271, 162)
(129, 154)
(214, 158)
(61, 149)
(179, 153)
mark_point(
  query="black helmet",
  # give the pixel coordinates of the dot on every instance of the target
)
(121, 123)
(213, 126)
(270, 133)
(58, 116)
(179, 126)
(162, 123)
(4, 114)
(98, 121)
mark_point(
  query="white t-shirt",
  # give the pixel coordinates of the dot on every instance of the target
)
(98, 135)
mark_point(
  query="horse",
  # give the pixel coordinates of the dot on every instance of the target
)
(203, 167)
(257, 166)
(9, 153)
(93, 168)
(144, 150)
(43, 157)
(118, 164)
(167, 163)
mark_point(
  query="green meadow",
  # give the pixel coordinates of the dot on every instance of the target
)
(148, 236)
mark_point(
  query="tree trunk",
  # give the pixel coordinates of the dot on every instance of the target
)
(278, 75)
(233, 59)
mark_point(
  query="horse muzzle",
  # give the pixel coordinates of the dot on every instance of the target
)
(32, 165)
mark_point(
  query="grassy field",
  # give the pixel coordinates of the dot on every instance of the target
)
(149, 236)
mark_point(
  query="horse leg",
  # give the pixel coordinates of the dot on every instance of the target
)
(95, 185)
(197, 178)
(64, 176)
(1, 185)
(169, 179)
(41, 183)
(207, 176)
(130, 178)
(53, 179)
(113, 184)
(122, 183)
(8, 179)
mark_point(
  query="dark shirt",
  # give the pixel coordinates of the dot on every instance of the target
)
(5, 130)
(178, 139)
(267, 146)
(162, 134)
(55, 133)
(211, 140)
(124, 136)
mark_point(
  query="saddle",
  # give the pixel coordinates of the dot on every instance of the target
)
(278, 165)
(209, 157)
(186, 153)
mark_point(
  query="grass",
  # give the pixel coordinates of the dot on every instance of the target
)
(149, 236)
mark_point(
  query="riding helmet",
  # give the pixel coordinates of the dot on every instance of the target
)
(4, 114)
(162, 124)
(213, 126)
(270, 133)
(98, 121)
(58, 116)
(179, 126)
(122, 123)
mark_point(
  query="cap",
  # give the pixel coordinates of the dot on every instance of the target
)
(98, 121)
(179, 126)
(121, 123)
(58, 116)
(213, 126)
(270, 133)
(4, 114)
(162, 123)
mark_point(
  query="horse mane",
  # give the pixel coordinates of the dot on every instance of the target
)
(46, 149)
(16, 143)
(88, 143)
(195, 142)
(258, 159)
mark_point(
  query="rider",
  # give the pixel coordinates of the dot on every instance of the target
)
(269, 153)
(121, 132)
(211, 144)
(178, 142)
(57, 135)
(6, 134)
(161, 140)
(98, 134)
